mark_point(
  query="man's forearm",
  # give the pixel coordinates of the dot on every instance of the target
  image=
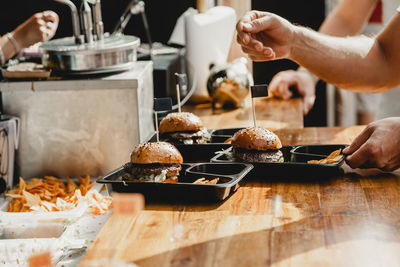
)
(356, 63)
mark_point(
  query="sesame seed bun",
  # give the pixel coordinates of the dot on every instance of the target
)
(156, 152)
(256, 139)
(179, 122)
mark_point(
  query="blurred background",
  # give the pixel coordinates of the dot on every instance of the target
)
(162, 16)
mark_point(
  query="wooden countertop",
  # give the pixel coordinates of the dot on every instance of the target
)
(270, 112)
(353, 220)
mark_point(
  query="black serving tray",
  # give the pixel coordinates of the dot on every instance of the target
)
(221, 135)
(229, 174)
(197, 152)
(295, 163)
(313, 152)
(204, 152)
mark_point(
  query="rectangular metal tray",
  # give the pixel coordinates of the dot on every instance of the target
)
(295, 163)
(229, 174)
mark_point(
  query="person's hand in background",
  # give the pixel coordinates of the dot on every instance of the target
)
(302, 82)
(265, 36)
(40, 27)
(377, 146)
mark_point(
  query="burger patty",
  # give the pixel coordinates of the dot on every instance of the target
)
(198, 137)
(258, 155)
(148, 169)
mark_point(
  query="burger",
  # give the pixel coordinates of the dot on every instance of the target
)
(155, 162)
(256, 145)
(183, 128)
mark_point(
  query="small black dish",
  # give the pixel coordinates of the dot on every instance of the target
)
(221, 135)
(294, 164)
(229, 174)
(313, 152)
(196, 152)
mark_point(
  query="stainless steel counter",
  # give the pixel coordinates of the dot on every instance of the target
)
(77, 127)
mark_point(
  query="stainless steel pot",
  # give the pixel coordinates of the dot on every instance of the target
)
(113, 53)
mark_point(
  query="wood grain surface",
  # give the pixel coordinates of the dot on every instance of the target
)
(352, 220)
(270, 112)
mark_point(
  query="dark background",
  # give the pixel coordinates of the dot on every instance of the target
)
(309, 13)
(162, 16)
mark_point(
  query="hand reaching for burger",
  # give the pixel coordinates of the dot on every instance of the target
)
(301, 81)
(265, 36)
(377, 146)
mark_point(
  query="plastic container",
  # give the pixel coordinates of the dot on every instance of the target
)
(229, 174)
(313, 152)
(32, 216)
(65, 217)
(197, 152)
(294, 164)
(221, 135)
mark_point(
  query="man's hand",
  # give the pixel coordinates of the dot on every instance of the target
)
(302, 82)
(378, 146)
(265, 36)
(40, 27)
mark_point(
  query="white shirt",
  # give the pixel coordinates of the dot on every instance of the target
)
(389, 100)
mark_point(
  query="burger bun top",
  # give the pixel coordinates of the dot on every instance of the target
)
(156, 152)
(256, 139)
(179, 122)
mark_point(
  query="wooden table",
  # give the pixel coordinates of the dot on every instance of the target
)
(270, 112)
(352, 220)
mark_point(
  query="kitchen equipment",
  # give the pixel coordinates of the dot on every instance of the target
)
(24, 70)
(93, 51)
(208, 37)
(228, 84)
(229, 175)
(135, 7)
(9, 139)
(82, 126)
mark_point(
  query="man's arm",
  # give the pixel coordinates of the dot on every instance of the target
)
(344, 21)
(355, 63)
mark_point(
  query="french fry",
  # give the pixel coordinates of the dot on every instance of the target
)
(334, 157)
(228, 141)
(204, 181)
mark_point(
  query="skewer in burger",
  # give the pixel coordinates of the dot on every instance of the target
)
(183, 128)
(256, 145)
(155, 162)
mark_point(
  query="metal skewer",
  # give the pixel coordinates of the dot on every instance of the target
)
(161, 104)
(254, 112)
(156, 120)
(257, 91)
(178, 91)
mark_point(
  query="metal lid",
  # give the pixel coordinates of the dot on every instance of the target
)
(67, 46)
(114, 53)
